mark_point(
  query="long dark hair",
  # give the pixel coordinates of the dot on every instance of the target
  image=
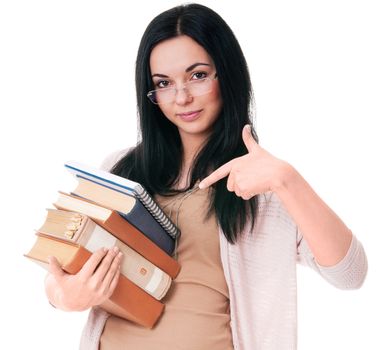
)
(156, 160)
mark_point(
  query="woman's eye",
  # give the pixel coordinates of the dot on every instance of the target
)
(162, 84)
(200, 75)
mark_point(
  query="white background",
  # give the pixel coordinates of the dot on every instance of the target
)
(67, 92)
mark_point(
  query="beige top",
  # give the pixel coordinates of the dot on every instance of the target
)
(196, 315)
(263, 297)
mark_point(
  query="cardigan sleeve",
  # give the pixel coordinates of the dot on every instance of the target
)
(349, 273)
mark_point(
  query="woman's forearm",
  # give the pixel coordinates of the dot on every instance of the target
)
(326, 234)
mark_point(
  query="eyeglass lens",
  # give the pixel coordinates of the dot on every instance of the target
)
(193, 88)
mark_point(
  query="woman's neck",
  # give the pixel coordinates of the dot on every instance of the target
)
(191, 147)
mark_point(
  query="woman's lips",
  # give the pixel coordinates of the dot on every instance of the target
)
(189, 116)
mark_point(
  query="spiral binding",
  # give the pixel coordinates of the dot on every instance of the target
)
(157, 213)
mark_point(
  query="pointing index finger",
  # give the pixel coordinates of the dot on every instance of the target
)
(216, 175)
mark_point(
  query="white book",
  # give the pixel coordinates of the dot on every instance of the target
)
(128, 187)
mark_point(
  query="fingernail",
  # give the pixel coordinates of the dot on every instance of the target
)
(201, 186)
(115, 249)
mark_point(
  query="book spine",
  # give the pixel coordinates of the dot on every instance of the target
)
(131, 236)
(131, 302)
(128, 300)
(134, 266)
(134, 304)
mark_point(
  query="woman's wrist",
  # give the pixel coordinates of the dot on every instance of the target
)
(285, 175)
(54, 293)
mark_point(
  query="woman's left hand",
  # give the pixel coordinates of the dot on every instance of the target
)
(254, 173)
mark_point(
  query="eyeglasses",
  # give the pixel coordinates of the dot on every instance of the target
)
(193, 88)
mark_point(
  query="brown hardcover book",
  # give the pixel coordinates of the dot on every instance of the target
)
(79, 228)
(112, 222)
(127, 301)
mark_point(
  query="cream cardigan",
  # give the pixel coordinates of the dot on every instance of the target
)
(260, 272)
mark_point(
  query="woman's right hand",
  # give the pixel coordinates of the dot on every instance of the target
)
(91, 286)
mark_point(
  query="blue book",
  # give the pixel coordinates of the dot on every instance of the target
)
(130, 199)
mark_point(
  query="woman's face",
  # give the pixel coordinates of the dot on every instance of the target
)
(175, 62)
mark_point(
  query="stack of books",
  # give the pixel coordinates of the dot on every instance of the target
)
(106, 210)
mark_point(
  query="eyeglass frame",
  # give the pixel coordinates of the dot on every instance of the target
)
(149, 93)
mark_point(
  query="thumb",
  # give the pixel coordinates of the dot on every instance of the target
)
(248, 139)
(54, 267)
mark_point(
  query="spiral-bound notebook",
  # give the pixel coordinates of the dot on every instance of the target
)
(127, 187)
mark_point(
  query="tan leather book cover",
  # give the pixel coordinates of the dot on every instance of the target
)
(79, 228)
(128, 300)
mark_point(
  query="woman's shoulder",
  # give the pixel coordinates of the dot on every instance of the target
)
(112, 158)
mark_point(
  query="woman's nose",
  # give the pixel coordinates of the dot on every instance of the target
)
(183, 96)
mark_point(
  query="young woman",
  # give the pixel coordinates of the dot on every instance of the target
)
(245, 216)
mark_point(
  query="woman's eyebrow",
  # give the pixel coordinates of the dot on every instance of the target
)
(159, 75)
(191, 67)
(195, 65)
